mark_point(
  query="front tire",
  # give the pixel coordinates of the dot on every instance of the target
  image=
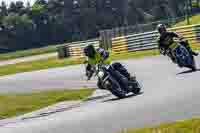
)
(193, 66)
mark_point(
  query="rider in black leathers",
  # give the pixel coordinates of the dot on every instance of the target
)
(167, 38)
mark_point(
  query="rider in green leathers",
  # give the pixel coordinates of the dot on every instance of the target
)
(96, 56)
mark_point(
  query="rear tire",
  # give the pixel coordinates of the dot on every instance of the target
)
(193, 68)
(135, 87)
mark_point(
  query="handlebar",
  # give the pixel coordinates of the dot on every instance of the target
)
(95, 69)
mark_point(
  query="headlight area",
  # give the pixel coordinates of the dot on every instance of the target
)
(100, 74)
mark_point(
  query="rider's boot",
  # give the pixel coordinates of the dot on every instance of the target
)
(119, 67)
(119, 77)
(124, 72)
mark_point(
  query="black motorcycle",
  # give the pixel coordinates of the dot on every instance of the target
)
(182, 57)
(112, 80)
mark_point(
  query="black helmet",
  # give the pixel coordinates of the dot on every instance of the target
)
(161, 28)
(89, 51)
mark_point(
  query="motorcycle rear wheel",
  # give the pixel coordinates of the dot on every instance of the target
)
(135, 87)
(192, 67)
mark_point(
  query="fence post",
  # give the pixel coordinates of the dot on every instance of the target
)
(63, 52)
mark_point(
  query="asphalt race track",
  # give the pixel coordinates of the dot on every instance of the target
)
(169, 93)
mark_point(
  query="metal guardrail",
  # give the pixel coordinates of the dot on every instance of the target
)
(131, 43)
(147, 40)
(75, 49)
(108, 34)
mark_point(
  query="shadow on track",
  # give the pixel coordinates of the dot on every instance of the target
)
(187, 71)
(116, 99)
(97, 97)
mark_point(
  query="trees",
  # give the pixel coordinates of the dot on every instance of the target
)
(3, 10)
(19, 27)
(19, 7)
(57, 21)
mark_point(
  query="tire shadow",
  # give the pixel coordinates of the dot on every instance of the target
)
(97, 97)
(116, 98)
(187, 72)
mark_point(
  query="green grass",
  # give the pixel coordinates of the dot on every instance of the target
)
(193, 20)
(138, 54)
(36, 65)
(31, 52)
(18, 104)
(187, 126)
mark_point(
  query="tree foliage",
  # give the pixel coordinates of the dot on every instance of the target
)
(56, 21)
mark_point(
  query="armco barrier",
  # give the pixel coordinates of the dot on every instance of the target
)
(131, 43)
(120, 46)
(147, 40)
(75, 49)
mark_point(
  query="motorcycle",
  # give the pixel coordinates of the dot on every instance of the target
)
(111, 80)
(182, 57)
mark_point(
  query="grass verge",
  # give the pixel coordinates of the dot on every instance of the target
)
(36, 65)
(138, 54)
(187, 126)
(18, 104)
(55, 62)
(31, 52)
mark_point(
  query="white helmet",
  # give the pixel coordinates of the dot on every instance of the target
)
(161, 27)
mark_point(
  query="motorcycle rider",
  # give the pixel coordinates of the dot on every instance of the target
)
(166, 38)
(96, 56)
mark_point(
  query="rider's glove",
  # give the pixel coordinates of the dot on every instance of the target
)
(88, 74)
(162, 51)
(88, 67)
(89, 71)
